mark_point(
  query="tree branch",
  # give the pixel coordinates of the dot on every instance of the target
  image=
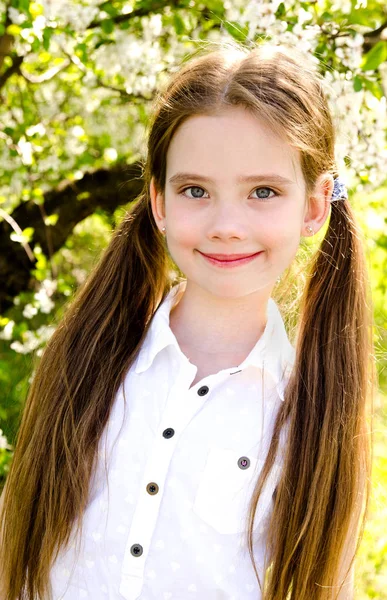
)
(49, 74)
(72, 202)
(17, 230)
(135, 98)
(6, 40)
(377, 32)
(371, 38)
(14, 68)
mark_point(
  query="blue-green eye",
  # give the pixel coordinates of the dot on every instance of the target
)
(193, 187)
(265, 197)
(197, 190)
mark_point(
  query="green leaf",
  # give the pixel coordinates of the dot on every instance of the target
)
(81, 51)
(24, 237)
(109, 8)
(36, 45)
(361, 17)
(326, 16)
(83, 196)
(178, 24)
(215, 5)
(51, 219)
(375, 57)
(236, 30)
(23, 5)
(281, 11)
(374, 87)
(107, 26)
(47, 34)
(357, 83)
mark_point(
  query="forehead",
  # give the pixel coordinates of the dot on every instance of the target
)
(231, 142)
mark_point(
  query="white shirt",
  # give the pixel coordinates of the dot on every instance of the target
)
(167, 518)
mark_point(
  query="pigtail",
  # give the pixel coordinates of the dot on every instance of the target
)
(321, 494)
(70, 400)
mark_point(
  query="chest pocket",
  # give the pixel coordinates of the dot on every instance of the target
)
(225, 490)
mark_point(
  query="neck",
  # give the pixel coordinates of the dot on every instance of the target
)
(212, 324)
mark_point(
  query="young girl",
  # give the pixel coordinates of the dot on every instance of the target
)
(174, 445)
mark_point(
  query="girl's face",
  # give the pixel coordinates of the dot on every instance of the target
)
(234, 188)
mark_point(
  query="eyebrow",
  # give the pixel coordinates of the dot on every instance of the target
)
(181, 177)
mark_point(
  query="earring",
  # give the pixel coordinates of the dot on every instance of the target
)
(163, 230)
(309, 229)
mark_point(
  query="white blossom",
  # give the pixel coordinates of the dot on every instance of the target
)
(29, 311)
(31, 340)
(71, 12)
(3, 442)
(79, 274)
(6, 334)
(42, 297)
(110, 154)
(15, 16)
(25, 151)
(39, 129)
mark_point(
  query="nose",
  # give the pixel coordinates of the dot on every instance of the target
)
(227, 222)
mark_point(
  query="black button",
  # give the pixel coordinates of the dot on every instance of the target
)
(168, 433)
(152, 488)
(202, 391)
(136, 550)
(243, 462)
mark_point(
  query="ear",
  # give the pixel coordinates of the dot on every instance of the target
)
(157, 203)
(318, 205)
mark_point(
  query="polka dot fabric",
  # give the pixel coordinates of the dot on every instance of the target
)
(166, 519)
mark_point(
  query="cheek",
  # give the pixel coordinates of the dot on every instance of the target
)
(182, 239)
(184, 235)
(184, 228)
(285, 227)
(281, 235)
(282, 244)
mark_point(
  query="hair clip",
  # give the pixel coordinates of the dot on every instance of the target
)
(339, 190)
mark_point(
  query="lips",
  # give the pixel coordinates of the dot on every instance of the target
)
(229, 257)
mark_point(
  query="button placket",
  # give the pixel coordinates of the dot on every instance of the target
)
(176, 413)
(145, 516)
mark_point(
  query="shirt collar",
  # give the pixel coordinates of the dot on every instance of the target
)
(272, 351)
(159, 335)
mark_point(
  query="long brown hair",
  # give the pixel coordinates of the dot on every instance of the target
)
(326, 453)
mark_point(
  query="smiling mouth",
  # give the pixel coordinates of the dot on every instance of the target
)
(229, 257)
(229, 260)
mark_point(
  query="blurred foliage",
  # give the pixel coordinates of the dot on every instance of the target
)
(371, 561)
(77, 84)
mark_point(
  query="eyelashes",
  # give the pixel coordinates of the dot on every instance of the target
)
(197, 187)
